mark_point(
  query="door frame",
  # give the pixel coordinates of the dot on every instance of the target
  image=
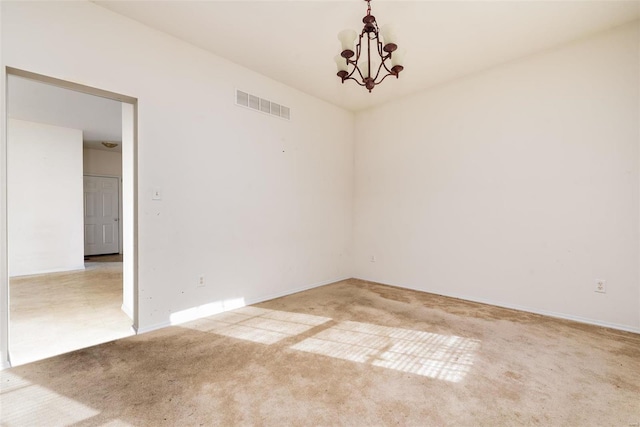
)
(120, 207)
(131, 186)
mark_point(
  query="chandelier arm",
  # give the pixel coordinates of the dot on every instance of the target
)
(354, 62)
(383, 58)
(378, 71)
(355, 68)
(350, 75)
(355, 80)
(359, 72)
(359, 46)
(381, 80)
(383, 63)
(385, 66)
(380, 50)
(384, 55)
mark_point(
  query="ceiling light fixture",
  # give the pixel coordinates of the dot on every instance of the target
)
(110, 144)
(385, 60)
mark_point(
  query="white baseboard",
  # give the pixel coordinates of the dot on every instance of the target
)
(549, 313)
(249, 301)
(5, 365)
(269, 297)
(152, 328)
(55, 270)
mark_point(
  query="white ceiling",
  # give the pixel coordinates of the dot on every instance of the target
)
(100, 119)
(294, 42)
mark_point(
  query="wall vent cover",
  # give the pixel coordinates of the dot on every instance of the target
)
(256, 103)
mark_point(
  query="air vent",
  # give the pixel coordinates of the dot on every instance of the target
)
(265, 106)
(253, 102)
(242, 98)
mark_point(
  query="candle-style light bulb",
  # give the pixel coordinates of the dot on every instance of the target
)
(397, 59)
(389, 38)
(343, 67)
(341, 63)
(347, 38)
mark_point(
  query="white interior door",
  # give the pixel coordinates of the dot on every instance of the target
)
(101, 215)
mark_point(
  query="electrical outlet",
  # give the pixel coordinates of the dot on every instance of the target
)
(373, 258)
(201, 281)
(601, 286)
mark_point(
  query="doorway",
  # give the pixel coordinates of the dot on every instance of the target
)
(45, 281)
(101, 203)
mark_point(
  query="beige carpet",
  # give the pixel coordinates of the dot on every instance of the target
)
(56, 313)
(350, 353)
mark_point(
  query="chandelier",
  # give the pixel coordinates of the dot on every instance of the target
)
(379, 61)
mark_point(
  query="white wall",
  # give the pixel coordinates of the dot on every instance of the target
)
(45, 231)
(517, 186)
(259, 205)
(101, 162)
(4, 275)
(127, 207)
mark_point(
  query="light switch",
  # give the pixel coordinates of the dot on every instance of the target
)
(157, 194)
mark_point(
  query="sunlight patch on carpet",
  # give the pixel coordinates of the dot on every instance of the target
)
(257, 324)
(27, 404)
(444, 357)
(203, 310)
(116, 423)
